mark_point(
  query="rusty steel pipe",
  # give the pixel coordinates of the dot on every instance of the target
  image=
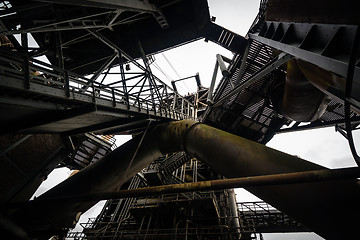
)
(302, 101)
(313, 204)
(106, 175)
(221, 184)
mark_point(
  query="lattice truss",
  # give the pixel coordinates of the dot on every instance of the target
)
(120, 81)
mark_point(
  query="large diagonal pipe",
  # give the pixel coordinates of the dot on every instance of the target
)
(329, 208)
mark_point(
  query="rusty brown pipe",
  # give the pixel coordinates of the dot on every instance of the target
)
(314, 204)
(107, 174)
(210, 185)
(302, 101)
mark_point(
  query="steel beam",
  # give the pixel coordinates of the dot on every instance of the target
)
(133, 128)
(221, 61)
(225, 38)
(130, 5)
(106, 65)
(124, 5)
(14, 145)
(116, 49)
(244, 58)
(25, 45)
(212, 84)
(105, 126)
(47, 117)
(53, 160)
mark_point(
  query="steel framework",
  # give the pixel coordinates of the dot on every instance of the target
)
(120, 94)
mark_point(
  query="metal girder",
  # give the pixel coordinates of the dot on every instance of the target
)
(114, 47)
(92, 21)
(150, 76)
(45, 118)
(325, 45)
(53, 83)
(225, 38)
(106, 65)
(131, 5)
(220, 63)
(124, 5)
(54, 159)
(131, 128)
(100, 127)
(14, 145)
(244, 58)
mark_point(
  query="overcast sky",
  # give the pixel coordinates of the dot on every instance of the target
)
(324, 146)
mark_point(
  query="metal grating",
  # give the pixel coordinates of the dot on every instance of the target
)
(249, 112)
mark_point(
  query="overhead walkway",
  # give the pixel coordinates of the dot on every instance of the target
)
(260, 217)
(55, 101)
(88, 44)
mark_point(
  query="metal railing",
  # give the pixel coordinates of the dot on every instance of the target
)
(262, 217)
(135, 92)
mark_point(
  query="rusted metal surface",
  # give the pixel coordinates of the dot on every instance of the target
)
(302, 101)
(243, 182)
(230, 155)
(234, 156)
(106, 175)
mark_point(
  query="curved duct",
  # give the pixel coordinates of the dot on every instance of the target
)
(301, 100)
(326, 81)
(329, 208)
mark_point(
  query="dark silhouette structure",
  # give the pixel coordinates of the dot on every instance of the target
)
(297, 68)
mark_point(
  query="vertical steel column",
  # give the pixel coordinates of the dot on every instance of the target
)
(67, 84)
(123, 79)
(182, 107)
(212, 84)
(25, 46)
(151, 80)
(222, 66)
(243, 62)
(59, 51)
(235, 221)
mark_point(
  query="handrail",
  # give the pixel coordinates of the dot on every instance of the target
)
(139, 95)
